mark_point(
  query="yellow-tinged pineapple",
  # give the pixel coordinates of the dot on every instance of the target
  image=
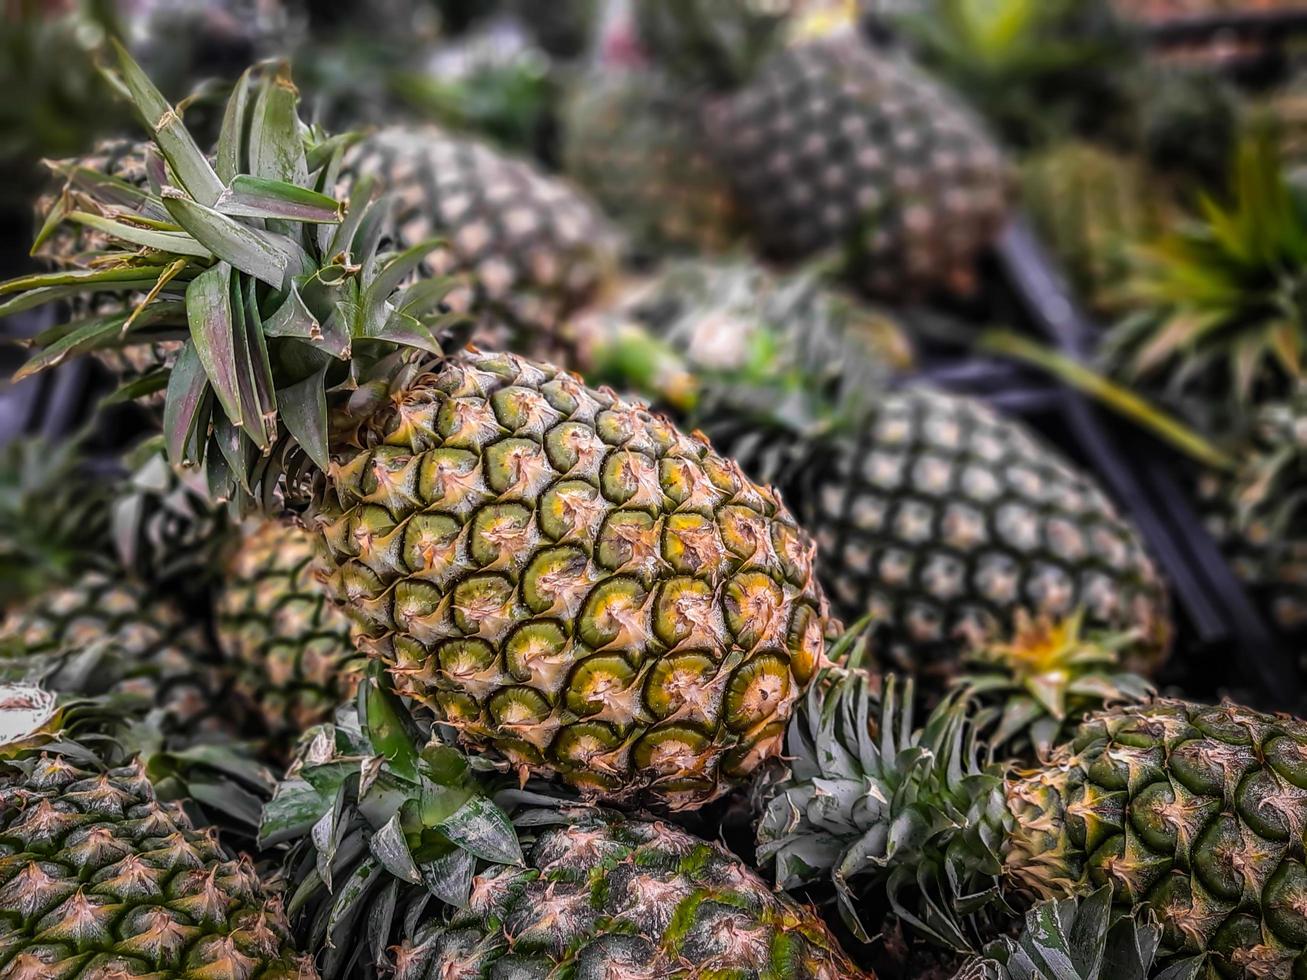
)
(568, 580)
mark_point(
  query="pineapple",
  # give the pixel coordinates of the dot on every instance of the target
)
(100, 878)
(288, 644)
(837, 146)
(1091, 207)
(535, 248)
(939, 517)
(1256, 515)
(554, 889)
(561, 576)
(635, 142)
(106, 634)
(605, 895)
(1194, 813)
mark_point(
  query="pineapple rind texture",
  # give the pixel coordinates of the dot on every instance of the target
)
(637, 145)
(570, 580)
(835, 145)
(1196, 811)
(98, 878)
(535, 248)
(944, 520)
(161, 656)
(279, 628)
(623, 898)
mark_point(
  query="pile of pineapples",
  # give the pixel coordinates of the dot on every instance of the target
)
(538, 576)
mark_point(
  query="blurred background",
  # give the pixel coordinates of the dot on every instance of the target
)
(1009, 203)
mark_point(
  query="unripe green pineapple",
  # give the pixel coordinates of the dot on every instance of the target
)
(98, 878)
(286, 641)
(605, 896)
(837, 146)
(636, 143)
(1091, 207)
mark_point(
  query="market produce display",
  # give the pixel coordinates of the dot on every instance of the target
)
(709, 489)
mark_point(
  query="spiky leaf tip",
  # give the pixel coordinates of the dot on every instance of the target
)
(277, 288)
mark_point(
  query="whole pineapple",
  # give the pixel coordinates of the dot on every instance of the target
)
(100, 878)
(1193, 812)
(635, 141)
(838, 146)
(1092, 207)
(536, 249)
(286, 641)
(603, 895)
(558, 574)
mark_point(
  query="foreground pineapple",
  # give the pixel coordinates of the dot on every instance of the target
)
(289, 645)
(1194, 812)
(525, 884)
(836, 146)
(99, 878)
(535, 248)
(557, 573)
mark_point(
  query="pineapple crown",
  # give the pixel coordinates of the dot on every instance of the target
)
(714, 43)
(1036, 685)
(280, 292)
(1223, 298)
(384, 815)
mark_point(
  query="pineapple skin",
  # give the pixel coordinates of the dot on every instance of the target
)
(943, 520)
(534, 247)
(288, 644)
(836, 145)
(1197, 812)
(98, 878)
(162, 657)
(571, 581)
(607, 897)
(637, 144)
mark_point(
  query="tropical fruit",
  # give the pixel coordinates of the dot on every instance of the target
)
(838, 146)
(1255, 513)
(555, 572)
(534, 247)
(100, 878)
(105, 634)
(286, 641)
(538, 887)
(1193, 812)
(1092, 207)
(605, 895)
(635, 141)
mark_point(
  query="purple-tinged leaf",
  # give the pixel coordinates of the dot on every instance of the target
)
(209, 313)
(188, 386)
(276, 147)
(304, 412)
(255, 197)
(267, 256)
(231, 138)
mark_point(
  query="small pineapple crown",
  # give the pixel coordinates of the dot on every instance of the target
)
(1037, 684)
(1267, 502)
(275, 287)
